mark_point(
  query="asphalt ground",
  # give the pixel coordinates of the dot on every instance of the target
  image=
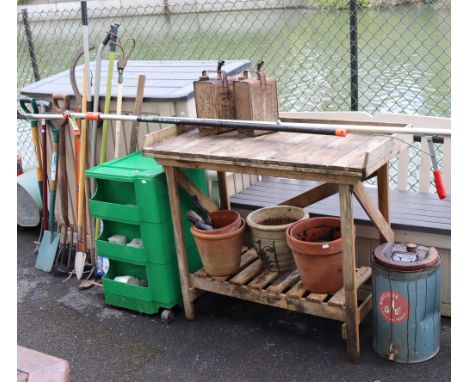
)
(230, 340)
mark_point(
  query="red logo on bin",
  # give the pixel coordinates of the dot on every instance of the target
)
(393, 306)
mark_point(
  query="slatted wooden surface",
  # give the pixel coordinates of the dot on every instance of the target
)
(423, 212)
(284, 290)
(354, 155)
(165, 80)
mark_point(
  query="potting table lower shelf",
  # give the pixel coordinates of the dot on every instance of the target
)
(283, 289)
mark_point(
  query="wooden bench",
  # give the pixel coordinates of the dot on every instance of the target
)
(415, 216)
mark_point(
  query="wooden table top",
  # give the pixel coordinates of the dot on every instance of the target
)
(356, 155)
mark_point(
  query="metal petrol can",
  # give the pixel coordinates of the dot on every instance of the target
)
(406, 302)
(256, 99)
(214, 98)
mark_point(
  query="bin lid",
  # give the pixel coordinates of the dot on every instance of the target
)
(127, 168)
(406, 256)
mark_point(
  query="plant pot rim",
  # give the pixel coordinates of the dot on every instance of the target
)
(280, 227)
(310, 244)
(220, 236)
(221, 229)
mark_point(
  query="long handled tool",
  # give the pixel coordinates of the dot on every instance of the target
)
(439, 183)
(80, 257)
(107, 100)
(50, 238)
(97, 84)
(120, 68)
(278, 126)
(60, 104)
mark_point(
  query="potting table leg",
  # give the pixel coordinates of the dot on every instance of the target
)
(224, 203)
(382, 188)
(174, 202)
(349, 267)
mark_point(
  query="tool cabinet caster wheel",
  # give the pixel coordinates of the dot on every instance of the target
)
(167, 316)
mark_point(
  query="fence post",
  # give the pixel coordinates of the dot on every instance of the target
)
(32, 53)
(353, 41)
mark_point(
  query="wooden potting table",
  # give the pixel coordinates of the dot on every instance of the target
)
(338, 164)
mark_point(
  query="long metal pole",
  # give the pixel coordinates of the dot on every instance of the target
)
(353, 42)
(278, 126)
(29, 39)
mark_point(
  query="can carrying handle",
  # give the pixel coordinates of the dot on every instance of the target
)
(260, 74)
(221, 74)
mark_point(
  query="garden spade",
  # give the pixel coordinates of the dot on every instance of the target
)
(50, 238)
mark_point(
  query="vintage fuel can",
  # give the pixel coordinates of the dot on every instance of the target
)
(256, 99)
(406, 302)
(214, 98)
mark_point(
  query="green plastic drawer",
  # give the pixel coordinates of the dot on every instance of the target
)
(112, 211)
(163, 288)
(121, 252)
(140, 306)
(158, 243)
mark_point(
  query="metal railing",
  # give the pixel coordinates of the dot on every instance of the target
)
(376, 59)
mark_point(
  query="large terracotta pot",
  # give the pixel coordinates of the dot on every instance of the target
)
(316, 246)
(223, 221)
(268, 227)
(220, 253)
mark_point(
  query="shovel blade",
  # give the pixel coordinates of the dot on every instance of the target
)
(47, 251)
(80, 259)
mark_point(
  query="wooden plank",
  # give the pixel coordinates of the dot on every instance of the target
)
(316, 297)
(362, 275)
(182, 263)
(312, 196)
(248, 273)
(263, 279)
(265, 297)
(284, 282)
(376, 217)
(224, 202)
(192, 189)
(349, 266)
(297, 291)
(160, 135)
(365, 307)
(383, 194)
(331, 176)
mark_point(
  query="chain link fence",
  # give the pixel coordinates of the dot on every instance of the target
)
(403, 52)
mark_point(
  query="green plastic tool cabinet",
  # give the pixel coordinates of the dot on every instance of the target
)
(131, 199)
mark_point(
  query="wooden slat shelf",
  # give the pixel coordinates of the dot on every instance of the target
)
(282, 290)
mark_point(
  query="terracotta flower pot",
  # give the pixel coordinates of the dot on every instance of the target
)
(316, 246)
(220, 253)
(223, 221)
(268, 227)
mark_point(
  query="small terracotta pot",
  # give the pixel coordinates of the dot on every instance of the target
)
(223, 221)
(319, 262)
(220, 253)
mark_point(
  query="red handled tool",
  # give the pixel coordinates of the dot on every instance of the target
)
(439, 183)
